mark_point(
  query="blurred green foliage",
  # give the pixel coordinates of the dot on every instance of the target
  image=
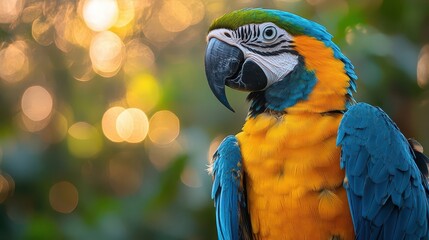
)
(146, 190)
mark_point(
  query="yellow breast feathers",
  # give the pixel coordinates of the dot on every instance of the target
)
(294, 180)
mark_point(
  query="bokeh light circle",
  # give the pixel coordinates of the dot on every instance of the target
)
(126, 12)
(36, 103)
(108, 124)
(423, 67)
(84, 140)
(14, 63)
(132, 125)
(107, 52)
(100, 15)
(63, 197)
(164, 127)
(139, 56)
(175, 16)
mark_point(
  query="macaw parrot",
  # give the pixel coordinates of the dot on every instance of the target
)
(310, 162)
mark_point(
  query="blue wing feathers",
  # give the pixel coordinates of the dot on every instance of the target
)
(361, 161)
(387, 193)
(227, 191)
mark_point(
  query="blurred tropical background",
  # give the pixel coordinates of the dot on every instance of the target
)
(107, 122)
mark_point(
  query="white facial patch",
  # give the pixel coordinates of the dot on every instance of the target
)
(265, 44)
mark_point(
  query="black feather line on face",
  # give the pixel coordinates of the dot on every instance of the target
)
(256, 33)
(271, 45)
(274, 53)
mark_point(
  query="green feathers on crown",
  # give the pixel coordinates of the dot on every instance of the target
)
(290, 22)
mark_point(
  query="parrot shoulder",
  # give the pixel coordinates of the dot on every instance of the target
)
(387, 193)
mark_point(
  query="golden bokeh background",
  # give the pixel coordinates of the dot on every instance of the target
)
(107, 123)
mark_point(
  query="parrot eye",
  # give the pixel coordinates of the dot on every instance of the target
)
(269, 33)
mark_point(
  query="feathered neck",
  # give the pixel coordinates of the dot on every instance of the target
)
(323, 81)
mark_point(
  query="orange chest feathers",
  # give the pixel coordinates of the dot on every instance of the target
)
(293, 177)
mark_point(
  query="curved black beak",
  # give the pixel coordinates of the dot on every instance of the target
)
(222, 62)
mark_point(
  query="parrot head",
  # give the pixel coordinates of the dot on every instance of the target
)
(277, 56)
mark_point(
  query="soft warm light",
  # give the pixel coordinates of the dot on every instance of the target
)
(81, 35)
(143, 92)
(107, 53)
(84, 140)
(42, 31)
(10, 10)
(174, 16)
(215, 8)
(132, 125)
(63, 197)
(108, 123)
(164, 127)
(155, 32)
(14, 65)
(126, 12)
(63, 25)
(139, 56)
(100, 15)
(125, 174)
(423, 67)
(197, 9)
(36, 103)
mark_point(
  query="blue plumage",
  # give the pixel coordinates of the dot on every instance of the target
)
(227, 192)
(387, 192)
(296, 86)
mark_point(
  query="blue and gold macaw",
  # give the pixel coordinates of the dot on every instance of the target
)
(310, 162)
